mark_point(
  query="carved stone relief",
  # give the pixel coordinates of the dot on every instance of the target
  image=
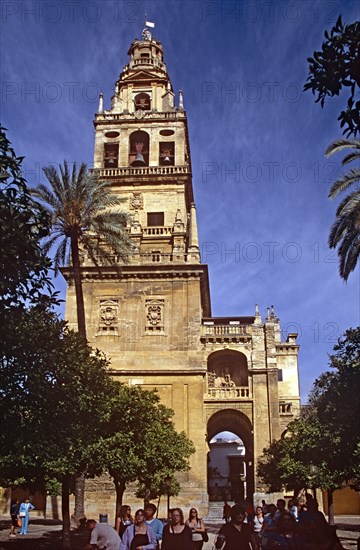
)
(154, 310)
(108, 317)
(136, 201)
(223, 381)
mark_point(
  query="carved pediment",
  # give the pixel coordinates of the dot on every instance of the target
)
(142, 75)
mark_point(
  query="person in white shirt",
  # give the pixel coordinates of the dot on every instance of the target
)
(102, 536)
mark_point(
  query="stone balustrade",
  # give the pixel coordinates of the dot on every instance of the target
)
(156, 257)
(146, 61)
(285, 408)
(223, 330)
(153, 115)
(235, 392)
(228, 332)
(142, 171)
(155, 230)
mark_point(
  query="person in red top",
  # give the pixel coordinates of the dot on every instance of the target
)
(236, 534)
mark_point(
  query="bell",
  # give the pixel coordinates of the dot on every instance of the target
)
(167, 160)
(110, 160)
(139, 160)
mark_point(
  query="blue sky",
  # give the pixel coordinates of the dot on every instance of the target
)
(257, 141)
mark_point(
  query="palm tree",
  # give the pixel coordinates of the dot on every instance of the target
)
(85, 217)
(345, 232)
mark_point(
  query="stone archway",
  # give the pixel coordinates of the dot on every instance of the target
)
(237, 483)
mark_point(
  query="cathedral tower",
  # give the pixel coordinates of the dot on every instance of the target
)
(153, 317)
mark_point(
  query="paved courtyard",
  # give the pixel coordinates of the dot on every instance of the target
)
(46, 535)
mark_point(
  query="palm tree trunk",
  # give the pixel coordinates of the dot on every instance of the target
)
(80, 309)
(65, 504)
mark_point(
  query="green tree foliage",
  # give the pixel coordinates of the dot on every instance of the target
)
(345, 232)
(140, 443)
(335, 66)
(336, 399)
(23, 266)
(55, 391)
(62, 414)
(85, 217)
(327, 437)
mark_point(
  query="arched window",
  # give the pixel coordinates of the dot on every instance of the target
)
(166, 153)
(139, 149)
(111, 155)
(143, 102)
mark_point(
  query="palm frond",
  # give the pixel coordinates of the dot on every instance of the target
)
(340, 145)
(61, 255)
(355, 155)
(348, 253)
(50, 242)
(55, 182)
(337, 231)
(349, 205)
(344, 182)
(46, 196)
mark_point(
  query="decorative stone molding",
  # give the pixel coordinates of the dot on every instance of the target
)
(154, 310)
(136, 201)
(109, 317)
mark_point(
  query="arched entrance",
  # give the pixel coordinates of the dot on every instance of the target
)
(230, 459)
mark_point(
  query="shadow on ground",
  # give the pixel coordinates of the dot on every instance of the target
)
(43, 535)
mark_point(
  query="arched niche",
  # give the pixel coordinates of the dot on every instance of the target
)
(228, 368)
(139, 148)
(142, 102)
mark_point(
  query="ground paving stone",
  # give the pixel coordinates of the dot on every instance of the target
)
(46, 535)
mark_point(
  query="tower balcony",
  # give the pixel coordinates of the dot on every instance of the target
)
(157, 231)
(225, 331)
(141, 61)
(111, 117)
(129, 171)
(224, 393)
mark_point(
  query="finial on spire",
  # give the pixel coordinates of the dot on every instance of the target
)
(268, 313)
(101, 103)
(181, 100)
(256, 309)
(272, 311)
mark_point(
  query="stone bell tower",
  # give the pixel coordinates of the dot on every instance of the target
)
(147, 317)
(142, 146)
(153, 316)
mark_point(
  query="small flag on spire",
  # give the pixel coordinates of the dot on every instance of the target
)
(149, 24)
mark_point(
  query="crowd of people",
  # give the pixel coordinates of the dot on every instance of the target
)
(271, 526)
(268, 527)
(146, 532)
